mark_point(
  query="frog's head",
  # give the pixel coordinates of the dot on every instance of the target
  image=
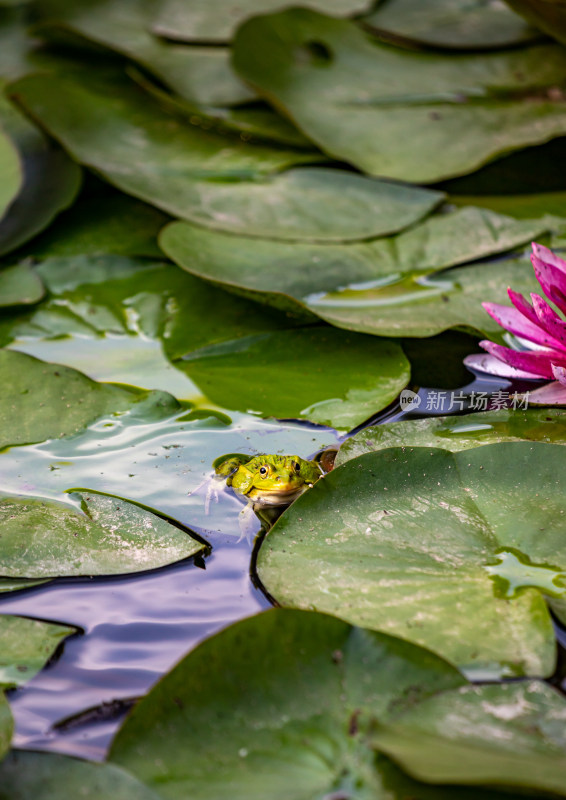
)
(269, 480)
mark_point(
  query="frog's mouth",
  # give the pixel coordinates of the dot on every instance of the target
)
(281, 496)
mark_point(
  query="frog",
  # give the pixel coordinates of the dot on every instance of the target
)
(268, 481)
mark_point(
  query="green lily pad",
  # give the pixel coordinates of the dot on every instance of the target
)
(460, 433)
(324, 375)
(302, 689)
(46, 776)
(509, 735)
(344, 284)
(199, 74)
(50, 183)
(11, 170)
(310, 674)
(454, 24)
(216, 20)
(20, 285)
(214, 180)
(107, 223)
(363, 101)
(182, 169)
(424, 305)
(25, 646)
(100, 535)
(6, 726)
(453, 551)
(44, 401)
(548, 15)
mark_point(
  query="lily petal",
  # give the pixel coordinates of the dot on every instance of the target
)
(551, 394)
(483, 362)
(514, 322)
(539, 362)
(559, 374)
(522, 305)
(545, 254)
(550, 321)
(552, 281)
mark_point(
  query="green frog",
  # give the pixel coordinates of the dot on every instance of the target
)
(267, 480)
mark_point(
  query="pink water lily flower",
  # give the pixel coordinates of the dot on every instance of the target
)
(538, 324)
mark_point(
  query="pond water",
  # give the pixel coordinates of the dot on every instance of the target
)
(135, 628)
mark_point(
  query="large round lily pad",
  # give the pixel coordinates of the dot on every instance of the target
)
(46, 776)
(364, 102)
(382, 286)
(453, 551)
(145, 151)
(215, 180)
(454, 24)
(11, 172)
(321, 374)
(292, 688)
(277, 689)
(44, 401)
(100, 535)
(25, 646)
(460, 432)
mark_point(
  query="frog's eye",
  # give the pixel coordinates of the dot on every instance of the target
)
(296, 466)
(263, 471)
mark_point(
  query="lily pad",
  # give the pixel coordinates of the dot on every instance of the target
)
(46, 776)
(303, 689)
(100, 535)
(510, 735)
(453, 551)
(362, 101)
(199, 74)
(453, 24)
(44, 401)
(11, 172)
(460, 433)
(216, 20)
(310, 674)
(379, 286)
(20, 285)
(324, 375)
(25, 646)
(50, 180)
(180, 168)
